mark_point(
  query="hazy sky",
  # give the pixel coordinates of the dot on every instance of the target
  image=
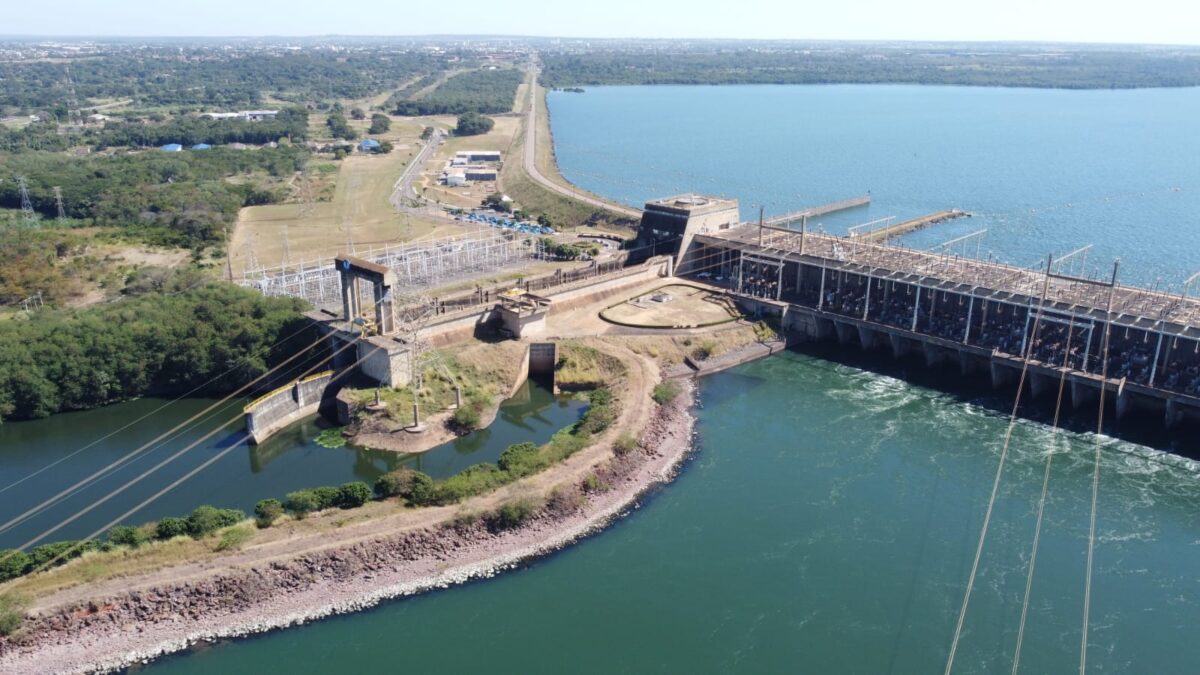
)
(1150, 21)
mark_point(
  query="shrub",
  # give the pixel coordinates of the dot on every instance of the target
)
(353, 495)
(564, 500)
(704, 350)
(600, 396)
(398, 483)
(466, 418)
(379, 124)
(514, 513)
(473, 124)
(13, 563)
(327, 496)
(233, 539)
(302, 502)
(665, 392)
(128, 535)
(208, 519)
(423, 490)
(597, 419)
(592, 483)
(331, 438)
(624, 445)
(42, 555)
(267, 511)
(12, 613)
(169, 528)
(518, 459)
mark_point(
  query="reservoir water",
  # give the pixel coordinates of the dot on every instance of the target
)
(829, 518)
(288, 461)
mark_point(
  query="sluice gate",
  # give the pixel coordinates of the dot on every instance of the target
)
(977, 314)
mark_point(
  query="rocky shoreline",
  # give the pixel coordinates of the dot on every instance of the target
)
(141, 626)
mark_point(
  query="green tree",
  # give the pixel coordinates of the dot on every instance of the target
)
(302, 502)
(353, 495)
(128, 535)
(169, 528)
(473, 124)
(13, 563)
(205, 520)
(267, 511)
(379, 124)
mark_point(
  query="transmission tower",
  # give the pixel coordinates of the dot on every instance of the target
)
(58, 201)
(306, 193)
(73, 111)
(414, 312)
(28, 217)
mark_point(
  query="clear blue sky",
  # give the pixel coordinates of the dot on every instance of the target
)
(1149, 21)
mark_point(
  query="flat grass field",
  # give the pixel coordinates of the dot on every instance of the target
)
(360, 204)
(687, 306)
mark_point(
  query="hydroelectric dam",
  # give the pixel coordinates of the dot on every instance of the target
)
(1141, 347)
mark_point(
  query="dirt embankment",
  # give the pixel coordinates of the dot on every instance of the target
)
(86, 629)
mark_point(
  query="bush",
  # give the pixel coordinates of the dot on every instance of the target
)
(600, 396)
(128, 535)
(267, 511)
(665, 392)
(327, 496)
(704, 350)
(302, 502)
(592, 483)
(423, 490)
(624, 445)
(514, 513)
(353, 495)
(169, 528)
(233, 539)
(519, 459)
(597, 419)
(466, 418)
(12, 613)
(398, 483)
(564, 500)
(42, 555)
(208, 519)
(13, 563)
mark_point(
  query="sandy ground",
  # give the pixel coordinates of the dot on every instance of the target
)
(680, 305)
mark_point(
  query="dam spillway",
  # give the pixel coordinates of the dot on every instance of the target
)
(977, 314)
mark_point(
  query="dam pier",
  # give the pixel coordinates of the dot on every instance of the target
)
(1141, 346)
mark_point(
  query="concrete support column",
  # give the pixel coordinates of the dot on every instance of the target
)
(1001, 374)
(867, 301)
(899, 345)
(843, 332)
(970, 313)
(1154, 365)
(1124, 404)
(1087, 349)
(933, 354)
(1081, 394)
(1038, 382)
(821, 292)
(1025, 335)
(916, 308)
(1172, 416)
(866, 336)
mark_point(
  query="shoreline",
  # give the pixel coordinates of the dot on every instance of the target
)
(145, 625)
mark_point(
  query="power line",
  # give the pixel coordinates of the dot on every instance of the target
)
(987, 518)
(147, 415)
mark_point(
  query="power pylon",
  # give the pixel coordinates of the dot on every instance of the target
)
(58, 201)
(28, 217)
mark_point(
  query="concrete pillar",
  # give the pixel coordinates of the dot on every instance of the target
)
(970, 313)
(916, 308)
(1124, 404)
(867, 301)
(1154, 365)
(843, 332)
(933, 353)
(1081, 394)
(866, 336)
(821, 292)
(967, 365)
(899, 345)
(1038, 383)
(1172, 416)
(1001, 374)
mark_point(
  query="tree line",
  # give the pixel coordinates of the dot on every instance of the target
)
(478, 91)
(153, 344)
(1082, 68)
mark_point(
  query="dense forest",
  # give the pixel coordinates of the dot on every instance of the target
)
(210, 78)
(175, 199)
(979, 65)
(478, 91)
(166, 343)
(291, 123)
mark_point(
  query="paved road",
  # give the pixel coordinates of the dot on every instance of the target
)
(530, 163)
(402, 188)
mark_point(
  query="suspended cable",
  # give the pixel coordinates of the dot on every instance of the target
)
(1091, 550)
(987, 518)
(1037, 530)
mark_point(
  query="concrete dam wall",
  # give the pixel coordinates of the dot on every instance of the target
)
(275, 410)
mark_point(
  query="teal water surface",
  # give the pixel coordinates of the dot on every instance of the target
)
(288, 461)
(827, 527)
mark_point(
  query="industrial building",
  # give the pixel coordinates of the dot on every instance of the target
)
(247, 115)
(468, 156)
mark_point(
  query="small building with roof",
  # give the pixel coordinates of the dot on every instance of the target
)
(369, 145)
(202, 146)
(171, 147)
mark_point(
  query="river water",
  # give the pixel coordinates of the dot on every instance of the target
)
(829, 518)
(288, 461)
